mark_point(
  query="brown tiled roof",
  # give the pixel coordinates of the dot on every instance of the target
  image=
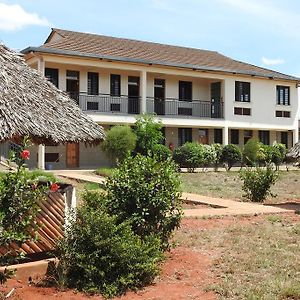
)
(93, 45)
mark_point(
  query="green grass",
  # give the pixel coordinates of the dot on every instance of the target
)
(254, 261)
(228, 185)
(105, 172)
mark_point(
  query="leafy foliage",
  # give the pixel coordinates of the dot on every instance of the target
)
(101, 255)
(120, 140)
(231, 154)
(145, 192)
(250, 151)
(149, 134)
(218, 149)
(161, 152)
(257, 182)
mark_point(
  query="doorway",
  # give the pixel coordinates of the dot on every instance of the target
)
(203, 136)
(133, 94)
(215, 94)
(159, 96)
(72, 154)
(73, 85)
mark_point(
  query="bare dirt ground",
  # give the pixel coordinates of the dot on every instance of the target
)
(186, 273)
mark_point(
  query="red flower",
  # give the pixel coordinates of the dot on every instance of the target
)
(25, 154)
(54, 187)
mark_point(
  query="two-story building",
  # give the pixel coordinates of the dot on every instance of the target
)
(198, 95)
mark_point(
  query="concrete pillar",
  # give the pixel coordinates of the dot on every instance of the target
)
(41, 157)
(41, 148)
(225, 131)
(143, 79)
(295, 135)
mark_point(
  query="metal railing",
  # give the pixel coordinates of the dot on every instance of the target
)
(107, 103)
(175, 107)
(131, 105)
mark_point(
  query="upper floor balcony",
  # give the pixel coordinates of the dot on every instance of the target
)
(105, 103)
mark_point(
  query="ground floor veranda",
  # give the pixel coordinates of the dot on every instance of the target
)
(72, 156)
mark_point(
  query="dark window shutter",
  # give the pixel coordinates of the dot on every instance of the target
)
(52, 75)
(93, 83)
(115, 85)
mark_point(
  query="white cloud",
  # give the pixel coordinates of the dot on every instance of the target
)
(272, 62)
(14, 17)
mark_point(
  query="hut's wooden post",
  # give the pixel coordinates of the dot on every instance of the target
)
(41, 157)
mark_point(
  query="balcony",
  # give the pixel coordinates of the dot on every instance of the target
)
(163, 107)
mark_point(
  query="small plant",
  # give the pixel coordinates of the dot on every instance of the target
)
(257, 182)
(145, 192)
(161, 152)
(231, 154)
(120, 141)
(250, 151)
(218, 148)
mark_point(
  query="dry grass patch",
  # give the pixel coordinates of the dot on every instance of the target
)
(254, 260)
(228, 185)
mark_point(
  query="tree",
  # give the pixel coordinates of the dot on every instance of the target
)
(148, 133)
(120, 140)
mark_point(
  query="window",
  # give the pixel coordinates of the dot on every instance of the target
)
(93, 83)
(234, 136)
(242, 91)
(115, 85)
(218, 136)
(245, 111)
(264, 136)
(51, 157)
(184, 135)
(185, 91)
(248, 134)
(52, 75)
(283, 95)
(284, 138)
(283, 114)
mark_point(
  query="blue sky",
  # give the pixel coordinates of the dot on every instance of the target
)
(262, 32)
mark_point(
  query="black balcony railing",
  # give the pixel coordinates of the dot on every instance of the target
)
(168, 107)
(175, 107)
(110, 104)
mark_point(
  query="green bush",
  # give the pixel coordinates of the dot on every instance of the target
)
(149, 134)
(209, 155)
(120, 140)
(161, 152)
(257, 182)
(101, 255)
(146, 193)
(190, 156)
(218, 148)
(250, 151)
(279, 156)
(231, 154)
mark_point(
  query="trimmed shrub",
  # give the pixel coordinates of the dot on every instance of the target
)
(257, 182)
(101, 255)
(250, 151)
(149, 134)
(190, 156)
(120, 141)
(146, 193)
(231, 154)
(161, 152)
(209, 155)
(218, 148)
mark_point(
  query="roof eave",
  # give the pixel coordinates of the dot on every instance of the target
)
(149, 62)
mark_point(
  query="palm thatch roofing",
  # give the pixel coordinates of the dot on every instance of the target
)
(294, 152)
(31, 105)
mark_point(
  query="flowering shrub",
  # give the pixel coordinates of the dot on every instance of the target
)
(19, 195)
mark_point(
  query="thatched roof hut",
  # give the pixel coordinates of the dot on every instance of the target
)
(294, 152)
(31, 105)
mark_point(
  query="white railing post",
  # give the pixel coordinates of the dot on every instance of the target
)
(143, 91)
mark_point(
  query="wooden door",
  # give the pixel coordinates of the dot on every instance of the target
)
(72, 155)
(159, 96)
(203, 136)
(215, 93)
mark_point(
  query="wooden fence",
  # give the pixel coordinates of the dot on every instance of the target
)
(51, 220)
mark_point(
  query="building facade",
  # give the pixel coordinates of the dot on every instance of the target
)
(198, 95)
